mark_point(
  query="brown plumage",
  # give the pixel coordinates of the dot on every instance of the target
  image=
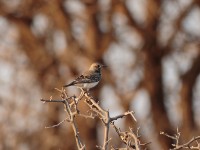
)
(88, 79)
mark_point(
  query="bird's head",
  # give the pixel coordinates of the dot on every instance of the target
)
(96, 66)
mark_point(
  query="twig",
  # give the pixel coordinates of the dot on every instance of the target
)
(87, 116)
(123, 115)
(56, 125)
(130, 138)
(187, 145)
(57, 101)
(106, 130)
(74, 126)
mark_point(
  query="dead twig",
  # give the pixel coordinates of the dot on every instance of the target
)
(187, 145)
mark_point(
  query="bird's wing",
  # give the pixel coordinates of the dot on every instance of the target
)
(87, 77)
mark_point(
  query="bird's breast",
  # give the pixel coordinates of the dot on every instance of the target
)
(89, 85)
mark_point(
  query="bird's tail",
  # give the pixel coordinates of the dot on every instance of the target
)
(70, 84)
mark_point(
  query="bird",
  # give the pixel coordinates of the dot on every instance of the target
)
(88, 79)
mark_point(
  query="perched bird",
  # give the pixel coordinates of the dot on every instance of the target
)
(89, 79)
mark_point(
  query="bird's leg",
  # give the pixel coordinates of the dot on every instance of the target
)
(87, 91)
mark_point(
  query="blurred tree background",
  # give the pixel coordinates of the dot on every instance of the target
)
(152, 48)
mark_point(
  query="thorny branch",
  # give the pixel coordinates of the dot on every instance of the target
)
(191, 144)
(130, 138)
(71, 107)
(105, 117)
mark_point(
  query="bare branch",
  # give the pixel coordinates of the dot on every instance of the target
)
(71, 106)
(56, 125)
(71, 113)
(123, 115)
(187, 145)
(57, 101)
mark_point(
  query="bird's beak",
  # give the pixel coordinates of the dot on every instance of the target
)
(104, 66)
